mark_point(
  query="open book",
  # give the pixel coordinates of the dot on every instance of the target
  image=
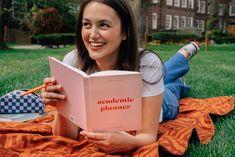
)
(102, 101)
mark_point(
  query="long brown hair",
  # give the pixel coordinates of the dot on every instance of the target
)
(128, 56)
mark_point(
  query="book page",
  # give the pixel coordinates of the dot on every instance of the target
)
(113, 73)
(69, 67)
(73, 108)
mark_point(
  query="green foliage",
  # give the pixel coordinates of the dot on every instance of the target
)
(46, 21)
(24, 10)
(54, 40)
(213, 19)
(172, 37)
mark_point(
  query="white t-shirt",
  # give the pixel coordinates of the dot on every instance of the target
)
(150, 67)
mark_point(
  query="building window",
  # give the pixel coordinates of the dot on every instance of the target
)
(202, 25)
(232, 10)
(168, 21)
(156, 1)
(191, 4)
(182, 21)
(176, 23)
(154, 21)
(197, 23)
(198, 6)
(189, 22)
(203, 7)
(221, 9)
(177, 3)
(184, 3)
(168, 2)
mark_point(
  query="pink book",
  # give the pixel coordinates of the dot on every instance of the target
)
(103, 101)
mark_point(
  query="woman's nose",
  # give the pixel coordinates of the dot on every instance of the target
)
(94, 33)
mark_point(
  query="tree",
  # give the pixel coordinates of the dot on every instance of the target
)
(25, 9)
(66, 10)
(5, 9)
(213, 19)
(46, 21)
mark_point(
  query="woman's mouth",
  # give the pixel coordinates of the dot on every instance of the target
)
(96, 46)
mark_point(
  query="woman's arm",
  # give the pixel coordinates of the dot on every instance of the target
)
(64, 127)
(122, 141)
(51, 95)
(150, 120)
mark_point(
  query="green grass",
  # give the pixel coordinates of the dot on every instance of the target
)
(212, 74)
(24, 68)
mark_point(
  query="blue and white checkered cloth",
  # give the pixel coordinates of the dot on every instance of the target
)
(13, 102)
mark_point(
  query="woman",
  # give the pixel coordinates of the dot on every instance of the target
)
(106, 40)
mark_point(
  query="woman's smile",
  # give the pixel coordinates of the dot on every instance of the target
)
(95, 46)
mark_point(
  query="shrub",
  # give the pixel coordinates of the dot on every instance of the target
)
(224, 40)
(172, 37)
(46, 21)
(55, 40)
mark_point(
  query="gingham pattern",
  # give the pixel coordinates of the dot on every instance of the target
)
(14, 103)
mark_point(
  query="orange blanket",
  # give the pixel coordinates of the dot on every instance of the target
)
(34, 138)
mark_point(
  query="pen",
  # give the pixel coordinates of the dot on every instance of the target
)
(33, 90)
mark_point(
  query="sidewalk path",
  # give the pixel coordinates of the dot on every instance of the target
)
(27, 47)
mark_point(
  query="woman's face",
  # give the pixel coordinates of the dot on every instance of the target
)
(101, 33)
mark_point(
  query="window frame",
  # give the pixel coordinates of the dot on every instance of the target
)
(184, 5)
(154, 21)
(177, 22)
(230, 10)
(192, 4)
(170, 22)
(169, 2)
(177, 4)
(183, 18)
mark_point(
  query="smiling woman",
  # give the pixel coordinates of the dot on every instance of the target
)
(106, 39)
(102, 34)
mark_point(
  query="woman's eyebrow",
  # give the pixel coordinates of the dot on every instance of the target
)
(106, 21)
(86, 19)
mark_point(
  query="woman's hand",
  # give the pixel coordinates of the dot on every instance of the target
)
(51, 93)
(111, 142)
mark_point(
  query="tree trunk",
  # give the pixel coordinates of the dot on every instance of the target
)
(4, 17)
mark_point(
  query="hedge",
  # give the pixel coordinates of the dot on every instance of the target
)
(55, 40)
(172, 37)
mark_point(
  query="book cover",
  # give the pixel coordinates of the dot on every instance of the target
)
(103, 101)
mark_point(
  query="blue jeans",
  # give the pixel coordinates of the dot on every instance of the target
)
(176, 67)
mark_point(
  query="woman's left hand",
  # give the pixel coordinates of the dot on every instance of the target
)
(111, 142)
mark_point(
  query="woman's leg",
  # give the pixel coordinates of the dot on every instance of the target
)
(170, 105)
(178, 65)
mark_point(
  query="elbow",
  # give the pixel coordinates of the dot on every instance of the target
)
(146, 139)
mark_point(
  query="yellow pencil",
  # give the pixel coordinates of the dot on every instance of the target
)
(33, 90)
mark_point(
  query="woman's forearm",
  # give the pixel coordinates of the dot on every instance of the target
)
(63, 127)
(143, 139)
(139, 140)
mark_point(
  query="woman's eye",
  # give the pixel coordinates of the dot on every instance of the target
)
(104, 25)
(86, 25)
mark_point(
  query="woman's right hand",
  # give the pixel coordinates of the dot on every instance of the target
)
(51, 93)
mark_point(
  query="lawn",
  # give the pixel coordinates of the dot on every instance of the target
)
(212, 74)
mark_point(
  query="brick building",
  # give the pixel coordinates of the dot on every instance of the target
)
(183, 15)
